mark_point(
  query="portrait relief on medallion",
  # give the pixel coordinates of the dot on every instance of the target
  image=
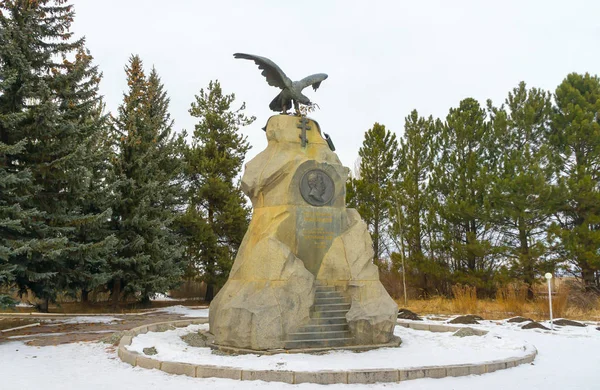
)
(316, 187)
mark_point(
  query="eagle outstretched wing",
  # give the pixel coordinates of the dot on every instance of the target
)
(274, 75)
(314, 80)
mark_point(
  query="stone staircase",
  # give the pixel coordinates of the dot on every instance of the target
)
(327, 326)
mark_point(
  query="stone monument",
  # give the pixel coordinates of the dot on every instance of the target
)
(303, 276)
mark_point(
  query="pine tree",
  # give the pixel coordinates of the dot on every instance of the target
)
(414, 198)
(148, 190)
(217, 217)
(373, 192)
(49, 94)
(462, 179)
(576, 146)
(522, 195)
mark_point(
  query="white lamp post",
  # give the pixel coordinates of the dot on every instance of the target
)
(548, 277)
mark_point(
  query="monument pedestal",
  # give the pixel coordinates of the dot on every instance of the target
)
(303, 276)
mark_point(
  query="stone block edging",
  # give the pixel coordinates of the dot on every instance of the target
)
(438, 327)
(319, 377)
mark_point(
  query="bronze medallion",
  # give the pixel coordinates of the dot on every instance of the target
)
(317, 187)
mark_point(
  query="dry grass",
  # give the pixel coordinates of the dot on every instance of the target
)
(560, 305)
(465, 299)
(511, 301)
(512, 298)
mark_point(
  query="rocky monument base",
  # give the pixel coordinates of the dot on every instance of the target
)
(303, 276)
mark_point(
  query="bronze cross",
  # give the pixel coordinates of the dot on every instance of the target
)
(303, 126)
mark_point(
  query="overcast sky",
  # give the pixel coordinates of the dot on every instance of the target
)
(383, 58)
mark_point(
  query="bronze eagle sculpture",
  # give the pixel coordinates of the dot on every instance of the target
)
(290, 90)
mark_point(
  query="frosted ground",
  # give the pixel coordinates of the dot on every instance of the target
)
(568, 359)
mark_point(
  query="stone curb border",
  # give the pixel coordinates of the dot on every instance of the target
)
(437, 327)
(319, 377)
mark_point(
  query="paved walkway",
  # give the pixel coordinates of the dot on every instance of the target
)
(52, 332)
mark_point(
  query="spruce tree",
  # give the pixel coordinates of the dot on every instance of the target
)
(48, 99)
(148, 190)
(170, 196)
(373, 192)
(217, 216)
(522, 195)
(15, 188)
(575, 143)
(90, 243)
(462, 179)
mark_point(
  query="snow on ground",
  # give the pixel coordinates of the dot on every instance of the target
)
(55, 334)
(186, 311)
(567, 359)
(162, 298)
(418, 349)
(86, 320)
(165, 298)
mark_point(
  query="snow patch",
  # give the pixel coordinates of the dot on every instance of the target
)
(87, 320)
(186, 311)
(162, 298)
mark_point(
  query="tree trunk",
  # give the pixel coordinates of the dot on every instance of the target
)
(116, 293)
(43, 307)
(85, 296)
(527, 262)
(210, 292)
(145, 301)
(588, 277)
(424, 285)
(470, 240)
(376, 243)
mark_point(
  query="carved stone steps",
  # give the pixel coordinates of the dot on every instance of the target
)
(324, 328)
(328, 321)
(329, 313)
(327, 326)
(331, 307)
(329, 300)
(324, 288)
(319, 335)
(319, 343)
